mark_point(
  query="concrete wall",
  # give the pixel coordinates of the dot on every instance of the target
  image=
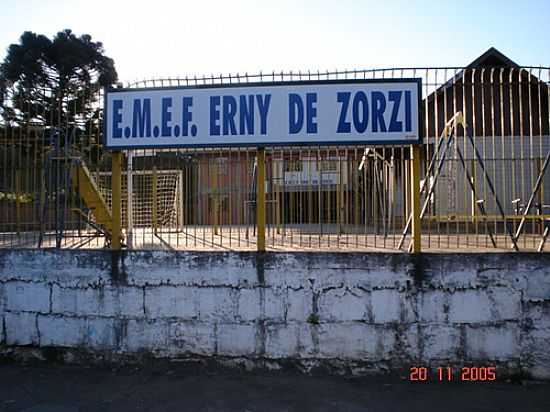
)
(351, 312)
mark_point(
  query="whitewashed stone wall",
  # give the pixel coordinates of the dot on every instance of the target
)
(353, 312)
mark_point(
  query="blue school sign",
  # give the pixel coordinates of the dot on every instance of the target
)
(265, 114)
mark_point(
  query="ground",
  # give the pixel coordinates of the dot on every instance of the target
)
(62, 388)
(303, 238)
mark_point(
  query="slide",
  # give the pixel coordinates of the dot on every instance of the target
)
(85, 185)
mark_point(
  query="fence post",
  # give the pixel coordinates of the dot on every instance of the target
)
(116, 204)
(260, 200)
(415, 198)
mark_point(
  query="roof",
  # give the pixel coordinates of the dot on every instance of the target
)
(492, 58)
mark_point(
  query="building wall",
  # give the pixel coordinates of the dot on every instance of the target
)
(352, 313)
(500, 102)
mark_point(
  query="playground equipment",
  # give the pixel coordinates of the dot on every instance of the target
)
(540, 207)
(383, 193)
(84, 184)
(444, 144)
(150, 198)
(65, 171)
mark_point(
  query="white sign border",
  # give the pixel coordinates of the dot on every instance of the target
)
(378, 142)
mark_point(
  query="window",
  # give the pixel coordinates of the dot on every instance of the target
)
(219, 165)
(293, 166)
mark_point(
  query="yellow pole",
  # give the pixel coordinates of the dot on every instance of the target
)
(116, 206)
(406, 198)
(260, 200)
(541, 194)
(415, 198)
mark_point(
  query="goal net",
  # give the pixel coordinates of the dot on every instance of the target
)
(156, 197)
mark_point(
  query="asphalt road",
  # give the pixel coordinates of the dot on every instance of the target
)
(48, 388)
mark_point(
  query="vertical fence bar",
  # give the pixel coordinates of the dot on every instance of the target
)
(155, 199)
(129, 201)
(415, 198)
(260, 200)
(18, 201)
(116, 205)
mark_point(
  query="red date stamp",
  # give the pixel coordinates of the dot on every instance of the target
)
(449, 374)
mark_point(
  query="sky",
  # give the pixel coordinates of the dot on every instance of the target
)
(163, 38)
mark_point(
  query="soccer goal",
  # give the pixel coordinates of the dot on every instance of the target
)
(156, 198)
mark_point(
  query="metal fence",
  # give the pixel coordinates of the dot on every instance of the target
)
(487, 193)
